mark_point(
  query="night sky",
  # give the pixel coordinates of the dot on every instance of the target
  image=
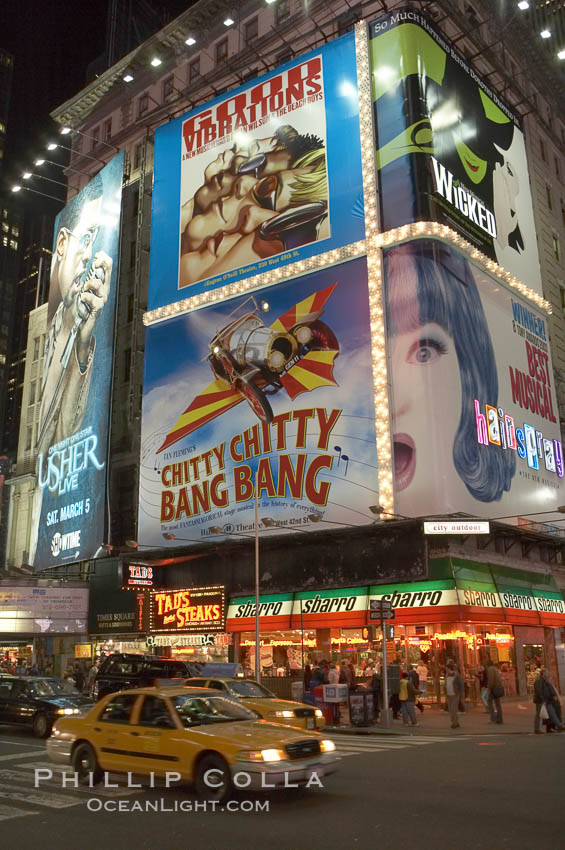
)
(52, 41)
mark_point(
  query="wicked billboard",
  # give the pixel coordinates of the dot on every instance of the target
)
(276, 393)
(474, 413)
(69, 508)
(448, 149)
(258, 178)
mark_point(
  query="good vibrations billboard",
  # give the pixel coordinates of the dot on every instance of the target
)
(69, 508)
(258, 178)
(448, 149)
(474, 413)
(275, 389)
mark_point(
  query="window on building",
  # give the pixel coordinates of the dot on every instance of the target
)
(194, 70)
(143, 104)
(95, 134)
(13, 244)
(127, 365)
(542, 149)
(251, 29)
(15, 230)
(132, 253)
(168, 87)
(562, 213)
(222, 50)
(29, 437)
(284, 56)
(32, 393)
(130, 307)
(555, 243)
(137, 154)
(556, 161)
(36, 344)
(135, 203)
(548, 196)
(562, 291)
(107, 129)
(5, 227)
(282, 10)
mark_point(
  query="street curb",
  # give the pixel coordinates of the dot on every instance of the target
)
(342, 730)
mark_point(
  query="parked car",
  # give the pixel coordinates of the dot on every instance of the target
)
(263, 702)
(37, 701)
(203, 736)
(122, 671)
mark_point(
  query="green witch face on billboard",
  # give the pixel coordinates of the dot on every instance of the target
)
(448, 149)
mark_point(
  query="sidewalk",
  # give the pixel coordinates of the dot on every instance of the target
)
(518, 714)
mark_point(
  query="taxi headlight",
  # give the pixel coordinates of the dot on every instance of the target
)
(327, 746)
(272, 755)
(281, 714)
(68, 711)
(319, 713)
(251, 755)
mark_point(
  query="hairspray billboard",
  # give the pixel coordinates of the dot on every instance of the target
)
(271, 393)
(69, 510)
(258, 178)
(448, 149)
(474, 413)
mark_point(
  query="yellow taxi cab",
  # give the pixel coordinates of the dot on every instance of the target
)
(189, 735)
(264, 702)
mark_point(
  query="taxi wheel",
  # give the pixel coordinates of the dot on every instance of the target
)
(217, 784)
(41, 726)
(86, 764)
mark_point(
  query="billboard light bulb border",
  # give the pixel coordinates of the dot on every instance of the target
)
(383, 425)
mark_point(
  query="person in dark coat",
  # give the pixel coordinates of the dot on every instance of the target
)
(546, 694)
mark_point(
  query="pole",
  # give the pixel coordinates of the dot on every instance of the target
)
(384, 678)
(257, 629)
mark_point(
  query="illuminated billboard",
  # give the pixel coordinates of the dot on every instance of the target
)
(69, 508)
(194, 609)
(258, 178)
(43, 610)
(474, 413)
(448, 149)
(275, 390)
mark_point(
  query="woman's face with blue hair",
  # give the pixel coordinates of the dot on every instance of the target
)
(427, 395)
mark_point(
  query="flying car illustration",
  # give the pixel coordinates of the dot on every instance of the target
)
(251, 362)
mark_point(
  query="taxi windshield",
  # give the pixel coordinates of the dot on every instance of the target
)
(249, 690)
(200, 711)
(50, 688)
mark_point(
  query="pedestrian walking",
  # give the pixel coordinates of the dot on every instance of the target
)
(422, 670)
(545, 694)
(407, 696)
(454, 691)
(375, 686)
(333, 674)
(495, 692)
(481, 675)
(415, 679)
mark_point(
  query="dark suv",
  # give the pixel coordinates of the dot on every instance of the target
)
(126, 670)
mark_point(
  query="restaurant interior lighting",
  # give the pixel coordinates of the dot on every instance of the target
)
(156, 61)
(545, 34)
(190, 41)
(229, 22)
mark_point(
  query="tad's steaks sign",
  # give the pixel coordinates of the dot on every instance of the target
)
(196, 609)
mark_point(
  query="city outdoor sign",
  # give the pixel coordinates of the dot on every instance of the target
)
(456, 527)
(380, 609)
(195, 609)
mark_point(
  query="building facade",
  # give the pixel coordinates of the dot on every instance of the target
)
(199, 57)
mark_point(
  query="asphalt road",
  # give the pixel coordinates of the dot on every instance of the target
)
(427, 793)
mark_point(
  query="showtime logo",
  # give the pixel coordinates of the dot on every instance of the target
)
(64, 542)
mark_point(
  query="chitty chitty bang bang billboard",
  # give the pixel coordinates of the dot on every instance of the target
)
(474, 412)
(448, 149)
(258, 178)
(273, 389)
